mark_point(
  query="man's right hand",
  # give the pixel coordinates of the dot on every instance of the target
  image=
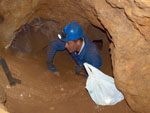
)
(79, 69)
(51, 67)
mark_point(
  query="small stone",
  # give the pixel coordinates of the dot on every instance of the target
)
(8, 87)
(52, 108)
(61, 89)
(29, 95)
(21, 95)
(98, 108)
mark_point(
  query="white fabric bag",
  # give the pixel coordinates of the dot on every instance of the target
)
(101, 87)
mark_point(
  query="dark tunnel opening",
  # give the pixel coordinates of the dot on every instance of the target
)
(102, 41)
(33, 38)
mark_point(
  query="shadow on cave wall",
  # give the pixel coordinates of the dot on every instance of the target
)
(35, 36)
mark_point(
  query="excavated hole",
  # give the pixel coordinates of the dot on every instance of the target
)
(34, 37)
(42, 91)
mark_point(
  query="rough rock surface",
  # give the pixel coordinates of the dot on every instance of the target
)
(14, 14)
(130, 50)
(2, 100)
(3, 109)
(127, 22)
(2, 95)
(35, 36)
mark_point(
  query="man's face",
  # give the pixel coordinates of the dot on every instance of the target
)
(71, 46)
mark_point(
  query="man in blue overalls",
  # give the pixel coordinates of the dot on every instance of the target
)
(79, 46)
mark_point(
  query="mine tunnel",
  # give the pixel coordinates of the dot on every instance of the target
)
(120, 31)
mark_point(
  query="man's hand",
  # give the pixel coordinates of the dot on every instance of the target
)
(79, 70)
(51, 66)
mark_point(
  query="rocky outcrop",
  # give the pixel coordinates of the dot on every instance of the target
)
(14, 14)
(128, 24)
(126, 21)
(2, 100)
(2, 95)
(3, 109)
(34, 36)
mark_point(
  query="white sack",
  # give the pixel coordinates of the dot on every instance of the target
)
(101, 87)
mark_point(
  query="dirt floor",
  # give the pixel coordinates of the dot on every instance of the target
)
(42, 91)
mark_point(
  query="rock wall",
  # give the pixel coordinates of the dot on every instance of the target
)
(128, 24)
(2, 95)
(34, 37)
(14, 14)
(2, 100)
(3, 109)
(126, 21)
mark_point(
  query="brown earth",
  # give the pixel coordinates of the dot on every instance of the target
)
(42, 91)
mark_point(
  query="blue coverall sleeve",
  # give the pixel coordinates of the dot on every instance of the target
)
(54, 46)
(94, 59)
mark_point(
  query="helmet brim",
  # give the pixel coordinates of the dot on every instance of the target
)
(67, 39)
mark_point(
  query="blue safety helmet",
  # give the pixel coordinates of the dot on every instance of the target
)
(72, 31)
